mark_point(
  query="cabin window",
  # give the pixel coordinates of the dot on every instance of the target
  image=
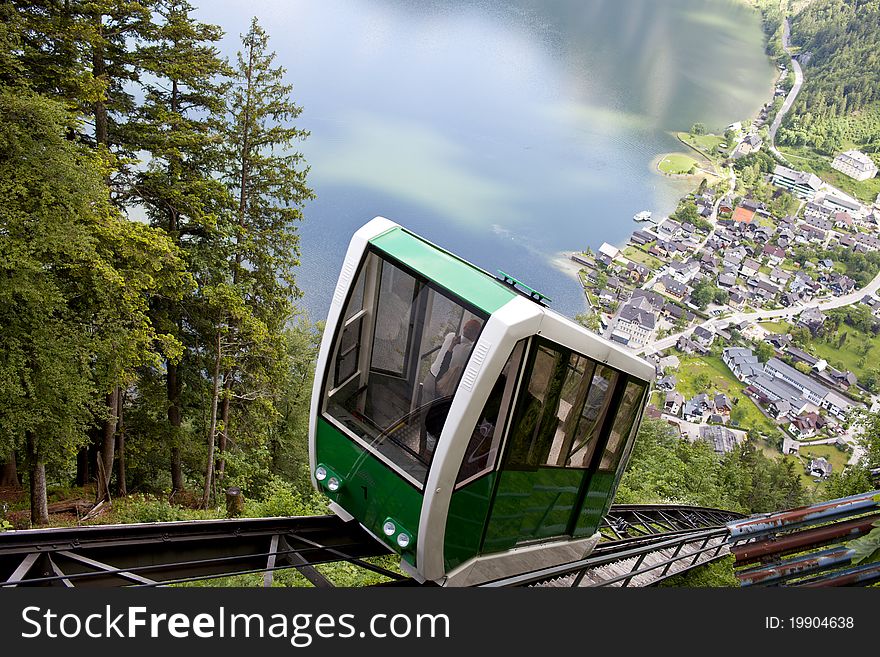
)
(591, 417)
(561, 411)
(482, 449)
(397, 360)
(624, 425)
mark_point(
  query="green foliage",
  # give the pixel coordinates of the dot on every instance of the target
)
(281, 498)
(705, 292)
(666, 469)
(867, 548)
(148, 508)
(837, 106)
(718, 573)
(698, 129)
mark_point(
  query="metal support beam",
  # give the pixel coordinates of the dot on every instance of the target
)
(97, 565)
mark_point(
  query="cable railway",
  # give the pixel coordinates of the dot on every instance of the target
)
(461, 422)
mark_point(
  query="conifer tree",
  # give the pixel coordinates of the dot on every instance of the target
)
(266, 177)
(178, 129)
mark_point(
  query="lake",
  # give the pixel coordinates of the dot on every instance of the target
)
(506, 132)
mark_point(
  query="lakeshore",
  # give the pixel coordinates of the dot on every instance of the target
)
(755, 242)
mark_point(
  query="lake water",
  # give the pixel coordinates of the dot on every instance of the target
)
(506, 132)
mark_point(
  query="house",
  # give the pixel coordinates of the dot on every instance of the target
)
(845, 380)
(779, 409)
(855, 164)
(741, 361)
(641, 238)
(748, 145)
(684, 272)
(667, 383)
(868, 242)
(694, 409)
(722, 439)
(804, 425)
(778, 340)
(670, 286)
(677, 313)
(816, 210)
(635, 323)
(726, 280)
(819, 467)
(637, 272)
(842, 284)
(800, 183)
(812, 318)
(762, 288)
(668, 228)
(821, 223)
(609, 250)
(688, 346)
(843, 220)
(703, 337)
(655, 300)
(673, 402)
(774, 254)
(749, 267)
(737, 299)
(722, 404)
(780, 276)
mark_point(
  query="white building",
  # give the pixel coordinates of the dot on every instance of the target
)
(855, 164)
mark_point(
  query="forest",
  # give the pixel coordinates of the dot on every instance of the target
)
(839, 103)
(152, 189)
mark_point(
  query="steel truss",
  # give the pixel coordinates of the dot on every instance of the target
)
(652, 541)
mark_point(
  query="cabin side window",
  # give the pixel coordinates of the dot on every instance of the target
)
(397, 359)
(482, 449)
(624, 425)
(565, 408)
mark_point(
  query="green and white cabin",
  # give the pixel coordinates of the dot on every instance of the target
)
(464, 424)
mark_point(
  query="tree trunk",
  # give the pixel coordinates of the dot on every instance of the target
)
(39, 503)
(222, 438)
(121, 486)
(82, 466)
(215, 395)
(108, 446)
(9, 473)
(234, 502)
(174, 420)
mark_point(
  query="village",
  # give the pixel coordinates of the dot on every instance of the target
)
(760, 323)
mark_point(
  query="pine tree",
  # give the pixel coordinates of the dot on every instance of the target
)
(178, 129)
(267, 178)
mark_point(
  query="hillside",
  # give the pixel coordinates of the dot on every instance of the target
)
(838, 107)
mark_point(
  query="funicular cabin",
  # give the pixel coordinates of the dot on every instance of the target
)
(473, 430)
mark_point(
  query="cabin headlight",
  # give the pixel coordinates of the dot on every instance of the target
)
(396, 534)
(328, 479)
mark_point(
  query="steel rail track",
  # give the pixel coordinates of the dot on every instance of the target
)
(160, 554)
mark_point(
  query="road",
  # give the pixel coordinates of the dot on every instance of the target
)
(765, 315)
(789, 100)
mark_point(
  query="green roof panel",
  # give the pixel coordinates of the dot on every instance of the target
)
(445, 269)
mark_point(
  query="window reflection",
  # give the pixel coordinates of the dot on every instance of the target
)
(398, 359)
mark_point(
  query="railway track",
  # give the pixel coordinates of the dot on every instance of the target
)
(161, 554)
